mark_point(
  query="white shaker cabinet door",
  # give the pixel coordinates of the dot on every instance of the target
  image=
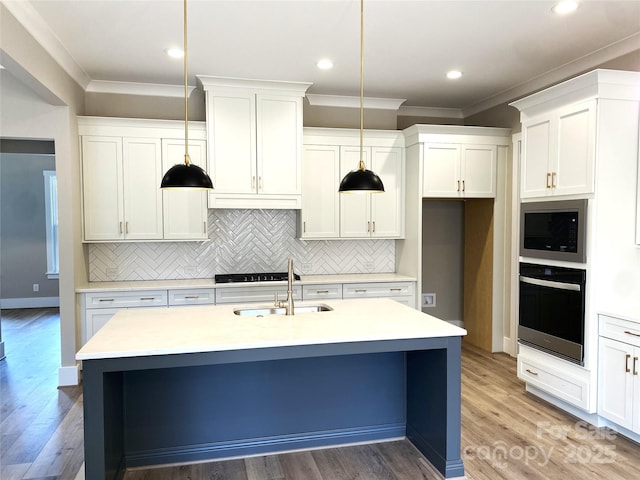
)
(355, 208)
(441, 174)
(142, 166)
(102, 188)
(387, 209)
(535, 168)
(479, 164)
(616, 382)
(231, 120)
(184, 210)
(279, 144)
(320, 197)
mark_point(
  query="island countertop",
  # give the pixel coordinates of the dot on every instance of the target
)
(179, 330)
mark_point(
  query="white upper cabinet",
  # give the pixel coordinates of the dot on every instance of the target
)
(254, 131)
(459, 170)
(330, 154)
(184, 210)
(320, 214)
(559, 151)
(123, 161)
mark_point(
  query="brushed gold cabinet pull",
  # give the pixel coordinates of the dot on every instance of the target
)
(304, 227)
(191, 297)
(626, 363)
(259, 184)
(368, 226)
(361, 290)
(106, 300)
(548, 178)
(395, 289)
(631, 333)
(146, 298)
(553, 180)
(322, 292)
(635, 365)
(253, 182)
(458, 189)
(120, 228)
(374, 227)
(126, 227)
(463, 185)
(531, 372)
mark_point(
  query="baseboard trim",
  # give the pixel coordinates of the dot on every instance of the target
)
(264, 446)
(447, 468)
(34, 302)
(68, 376)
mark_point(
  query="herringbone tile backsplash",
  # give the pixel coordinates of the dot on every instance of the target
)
(240, 241)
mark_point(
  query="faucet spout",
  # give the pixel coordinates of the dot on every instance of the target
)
(290, 276)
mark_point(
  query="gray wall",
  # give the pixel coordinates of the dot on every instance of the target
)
(22, 226)
(443, 256)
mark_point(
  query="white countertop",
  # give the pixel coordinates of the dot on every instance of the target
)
(161, 331)
(210, 283)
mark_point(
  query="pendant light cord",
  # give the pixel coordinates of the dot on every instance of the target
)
(361, 166)
(187, 160)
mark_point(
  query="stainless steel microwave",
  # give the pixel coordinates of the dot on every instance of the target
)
(554, 230)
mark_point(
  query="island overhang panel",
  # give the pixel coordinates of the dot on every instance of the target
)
(149, 409)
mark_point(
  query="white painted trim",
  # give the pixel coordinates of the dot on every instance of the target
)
(69, 376)
(434, 112)
(559, 74)
(132, 88)
(36, 26)
(35, 302)
(260, 86)
(343, 101)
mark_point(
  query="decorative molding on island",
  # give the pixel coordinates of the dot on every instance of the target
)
(196, 383)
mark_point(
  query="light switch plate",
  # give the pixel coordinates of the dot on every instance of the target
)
(428, 300)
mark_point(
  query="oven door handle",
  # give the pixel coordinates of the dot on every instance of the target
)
(548, 283)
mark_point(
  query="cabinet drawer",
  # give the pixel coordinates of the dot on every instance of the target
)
(317, 292)
(559, 382)
(372, 290)
(196, 296)
(626, 331)
(149, 298)
(255, 294)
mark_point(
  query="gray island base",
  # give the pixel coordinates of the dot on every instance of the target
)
(145, 407)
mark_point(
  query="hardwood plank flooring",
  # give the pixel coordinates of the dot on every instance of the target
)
(506, 433)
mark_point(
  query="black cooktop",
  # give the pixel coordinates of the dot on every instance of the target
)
(253, 277)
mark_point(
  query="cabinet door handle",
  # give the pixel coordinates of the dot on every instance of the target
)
(120, 228)
(548, 178)
(126, 227)
(463, 185)
(253, 182)
(553, 180)
(532, 372)
(304, 227)
(147, 298)
(368, 227)
(362, 290)
(259, 184)
(374, 227)
(626, 363)
(106, 300)
(395, 289)
(631, 333)
(322, 292)
(458, 188)
(191, 297)
(635, 365)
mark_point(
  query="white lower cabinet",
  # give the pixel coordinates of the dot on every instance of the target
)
(566, 381)
(322, 292)
(196, 296)
(253, 294)
(402, 292)
(619, 377)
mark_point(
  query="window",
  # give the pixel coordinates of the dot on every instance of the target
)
(51, 218)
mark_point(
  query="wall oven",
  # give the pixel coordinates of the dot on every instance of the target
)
(552, 305)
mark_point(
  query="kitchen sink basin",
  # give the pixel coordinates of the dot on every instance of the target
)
(264, 311)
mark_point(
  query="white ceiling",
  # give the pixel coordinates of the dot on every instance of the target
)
(501, 46)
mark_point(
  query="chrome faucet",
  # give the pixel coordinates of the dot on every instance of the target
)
(288, 303)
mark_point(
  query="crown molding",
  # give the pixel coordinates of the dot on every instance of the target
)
(571, 69)
(317, 100)
(142, 89)
(31, 20)
(433, 112)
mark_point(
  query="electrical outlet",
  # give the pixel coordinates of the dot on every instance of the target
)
(36, 287)
(428, 300)
(191, 270)
(306, 267)
(369, 267)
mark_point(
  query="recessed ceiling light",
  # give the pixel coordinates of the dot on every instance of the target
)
(325, 64)
(564, 7)
(174, 52)
(454, 74)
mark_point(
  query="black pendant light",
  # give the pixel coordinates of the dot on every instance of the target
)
(361, 180)
(186, 175)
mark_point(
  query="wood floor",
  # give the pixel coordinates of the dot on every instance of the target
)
(506, 433)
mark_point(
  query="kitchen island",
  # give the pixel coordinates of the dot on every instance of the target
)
(189, 384)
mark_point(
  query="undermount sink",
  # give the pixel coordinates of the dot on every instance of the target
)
(264, 311)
